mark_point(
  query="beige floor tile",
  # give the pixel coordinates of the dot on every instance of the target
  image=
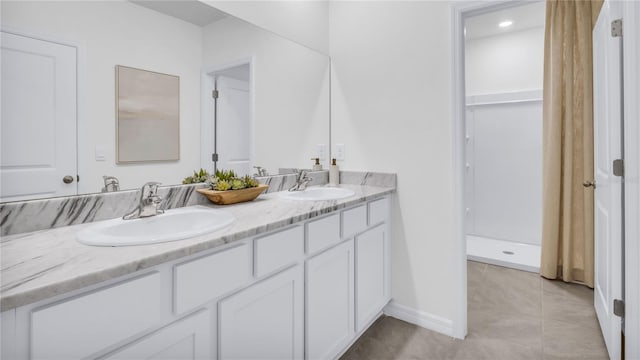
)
(401, 340)
(575, 310)
(475, 274)
(509, 291)
(522, 329)
(367, 348)
(567, 340)
(477, 349)
(571, 292)
(512, 315)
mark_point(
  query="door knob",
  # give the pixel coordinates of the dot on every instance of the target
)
(67, 179)
(589, 183)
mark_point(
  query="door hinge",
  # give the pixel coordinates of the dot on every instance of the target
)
(215, 94)
(616, 28)
(618, 307)
(618, 167)
(78, 178)
(214, 157)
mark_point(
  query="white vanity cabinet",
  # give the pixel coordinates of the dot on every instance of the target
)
(330, 302)
(305, 291)
(266, 320)
(371, 266)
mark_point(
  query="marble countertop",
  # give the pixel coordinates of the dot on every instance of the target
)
(42, 264)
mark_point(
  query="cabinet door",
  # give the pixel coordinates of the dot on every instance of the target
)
(264, 321)
(371, 280)
(330, 305)
(186, 339)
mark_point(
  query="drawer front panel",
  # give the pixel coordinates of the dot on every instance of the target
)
(86, 324)
(354, 221)
(209, 277)
(278, 250)
(323, 233)
(378, 211)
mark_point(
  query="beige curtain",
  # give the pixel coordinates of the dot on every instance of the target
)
(567, 222)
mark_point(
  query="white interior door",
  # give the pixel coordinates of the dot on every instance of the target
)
(38, 119)
(234, 125)
(608, 200)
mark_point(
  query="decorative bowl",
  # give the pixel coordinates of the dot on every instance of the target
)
(233, 196)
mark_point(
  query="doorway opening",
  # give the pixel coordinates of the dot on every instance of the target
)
(504, 53)
(227, 118)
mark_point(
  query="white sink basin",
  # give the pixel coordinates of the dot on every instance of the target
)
(318, 194)
(176, 224)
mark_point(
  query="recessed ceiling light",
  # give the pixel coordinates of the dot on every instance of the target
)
(505, 23)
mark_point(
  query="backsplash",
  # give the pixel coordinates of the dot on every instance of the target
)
(33, 215)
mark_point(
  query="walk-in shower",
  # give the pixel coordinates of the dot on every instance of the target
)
(503, 144)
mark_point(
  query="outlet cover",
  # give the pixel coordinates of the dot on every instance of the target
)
(339, 152)
(321, 151)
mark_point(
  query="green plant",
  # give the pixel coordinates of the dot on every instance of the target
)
(228, 180)
(197, 177)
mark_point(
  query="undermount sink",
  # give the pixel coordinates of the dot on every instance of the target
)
(176, 224)
(318, 194)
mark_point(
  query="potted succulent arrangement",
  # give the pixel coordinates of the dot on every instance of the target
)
(227, 188)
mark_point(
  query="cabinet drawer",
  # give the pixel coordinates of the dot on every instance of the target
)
(378, 211)
(323, 233)
(209, 277)
(86, 324)
(354, 221)
(277, 250)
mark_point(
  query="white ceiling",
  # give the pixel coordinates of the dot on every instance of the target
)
(524, 17)
(192, 11)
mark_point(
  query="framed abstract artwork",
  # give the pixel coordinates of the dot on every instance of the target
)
(148, 116)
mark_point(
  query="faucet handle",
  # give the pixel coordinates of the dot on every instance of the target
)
(153, 188)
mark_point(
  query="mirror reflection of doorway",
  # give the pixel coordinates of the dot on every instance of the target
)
(38, 119)
(232, 135)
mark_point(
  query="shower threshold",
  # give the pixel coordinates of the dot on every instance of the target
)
(504, 253)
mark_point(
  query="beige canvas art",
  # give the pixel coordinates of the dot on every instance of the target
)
(148, 115)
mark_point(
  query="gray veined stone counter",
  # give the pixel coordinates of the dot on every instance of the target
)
(42, 264)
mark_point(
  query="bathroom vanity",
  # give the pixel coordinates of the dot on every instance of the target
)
(288, 280)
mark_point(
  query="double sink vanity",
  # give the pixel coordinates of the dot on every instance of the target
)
(290, 275)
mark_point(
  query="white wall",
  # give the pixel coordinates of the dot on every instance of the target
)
(291, 91)
(120, 33)
(507, 62)
(391, 108)
(306, 22)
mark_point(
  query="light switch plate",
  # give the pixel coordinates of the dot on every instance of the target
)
(339, 151)
(100, 154)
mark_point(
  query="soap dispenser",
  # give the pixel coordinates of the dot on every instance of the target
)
(317, 166)
(334, 174)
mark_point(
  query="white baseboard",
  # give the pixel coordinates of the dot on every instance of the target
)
(419, 318)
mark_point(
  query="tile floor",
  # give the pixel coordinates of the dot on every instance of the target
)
(512, 314)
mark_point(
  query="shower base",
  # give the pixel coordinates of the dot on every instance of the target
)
(504, 253)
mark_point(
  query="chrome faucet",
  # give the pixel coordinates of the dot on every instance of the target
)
(302, 180)
(149, 202)
(260, 171)
(111, 183)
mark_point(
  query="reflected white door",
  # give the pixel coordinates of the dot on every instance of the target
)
(608, 199)
(234, 125)
(38, 122)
